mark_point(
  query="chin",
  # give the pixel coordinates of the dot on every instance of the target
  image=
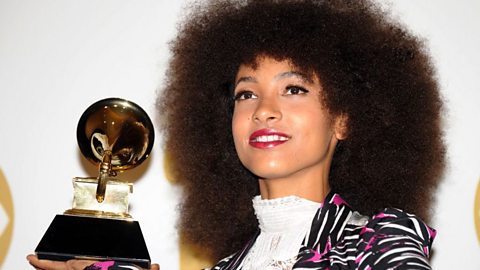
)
(269, 168)
(271, 173)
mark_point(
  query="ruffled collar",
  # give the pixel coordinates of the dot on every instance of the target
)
(284, 214)
(283, 224)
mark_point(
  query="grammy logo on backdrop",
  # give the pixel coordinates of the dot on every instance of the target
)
(476, 211)
(117, 135)
(6, 217)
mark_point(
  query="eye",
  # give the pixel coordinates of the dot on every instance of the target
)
(244, 95)
(295, 90)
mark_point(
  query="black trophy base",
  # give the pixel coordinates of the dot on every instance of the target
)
(75, 237)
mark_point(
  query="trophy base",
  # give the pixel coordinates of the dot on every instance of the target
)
(75, 237)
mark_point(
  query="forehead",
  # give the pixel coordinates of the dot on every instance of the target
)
(265, 66)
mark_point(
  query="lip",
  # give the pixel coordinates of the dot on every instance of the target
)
(269, 144)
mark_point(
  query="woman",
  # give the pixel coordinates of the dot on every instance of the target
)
(326, 113)
(377, 141)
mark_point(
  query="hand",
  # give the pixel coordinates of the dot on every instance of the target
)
(68, 265)
(56, 265)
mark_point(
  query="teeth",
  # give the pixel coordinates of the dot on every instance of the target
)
(270, 138)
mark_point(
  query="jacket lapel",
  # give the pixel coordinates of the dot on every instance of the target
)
(328, 223)
(326, 230)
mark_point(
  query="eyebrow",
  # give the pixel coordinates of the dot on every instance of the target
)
(297, 74)
(246, 79)
(278, 77)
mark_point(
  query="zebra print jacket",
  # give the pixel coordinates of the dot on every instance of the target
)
(341, 238)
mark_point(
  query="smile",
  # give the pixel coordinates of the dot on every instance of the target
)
(267, 138)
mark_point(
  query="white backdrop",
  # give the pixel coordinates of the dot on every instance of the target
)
(58, 57)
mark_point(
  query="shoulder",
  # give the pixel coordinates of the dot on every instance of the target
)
(395, 222)
(394, 238)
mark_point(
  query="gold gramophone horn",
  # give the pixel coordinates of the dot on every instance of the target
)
(116, 135)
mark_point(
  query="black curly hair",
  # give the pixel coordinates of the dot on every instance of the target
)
(371, 69)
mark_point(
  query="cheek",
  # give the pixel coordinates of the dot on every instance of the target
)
(239, 129)
(316, 128)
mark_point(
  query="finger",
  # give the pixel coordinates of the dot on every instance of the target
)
(46, 264)
(155, 267)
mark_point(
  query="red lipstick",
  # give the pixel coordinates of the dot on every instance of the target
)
(267, 138)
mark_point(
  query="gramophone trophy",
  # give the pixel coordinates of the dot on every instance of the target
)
(116, 135)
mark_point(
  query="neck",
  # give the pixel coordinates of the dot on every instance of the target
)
(312, 186)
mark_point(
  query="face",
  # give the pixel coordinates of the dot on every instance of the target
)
(279, 125)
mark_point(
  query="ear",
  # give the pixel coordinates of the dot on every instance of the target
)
(341, 126)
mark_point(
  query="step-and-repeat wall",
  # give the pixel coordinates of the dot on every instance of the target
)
(58, 57)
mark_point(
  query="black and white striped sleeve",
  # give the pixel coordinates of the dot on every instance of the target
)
(394, 239)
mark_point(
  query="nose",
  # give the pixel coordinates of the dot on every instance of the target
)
(268, 110)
